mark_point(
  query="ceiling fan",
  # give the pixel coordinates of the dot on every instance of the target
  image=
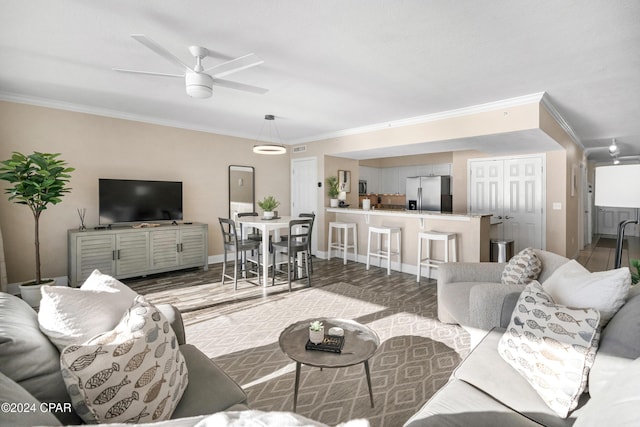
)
(199, 80)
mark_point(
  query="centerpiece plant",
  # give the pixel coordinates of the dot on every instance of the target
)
(37, 181)
(268, 204)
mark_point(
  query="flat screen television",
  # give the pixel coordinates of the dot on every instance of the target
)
(126, 201)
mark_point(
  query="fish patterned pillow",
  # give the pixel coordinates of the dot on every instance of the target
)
(132, 374)
(524, 267)
(552, 346)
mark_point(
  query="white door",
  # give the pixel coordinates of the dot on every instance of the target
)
(304, 191)
(511, 190)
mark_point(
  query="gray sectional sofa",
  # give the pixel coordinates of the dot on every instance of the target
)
(484, 390)
(30, 373)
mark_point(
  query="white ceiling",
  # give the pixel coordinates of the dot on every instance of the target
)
(333, 65)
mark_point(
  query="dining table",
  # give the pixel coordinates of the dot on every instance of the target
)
(266, 227)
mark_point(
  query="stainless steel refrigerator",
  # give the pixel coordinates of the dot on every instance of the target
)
(429, 193)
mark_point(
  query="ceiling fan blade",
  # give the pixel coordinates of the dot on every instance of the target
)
(240, 86)
(160, 50)
(150, 73)
(241, 63)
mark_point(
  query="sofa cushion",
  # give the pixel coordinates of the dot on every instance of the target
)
(619, 405)
(524, 267)
(135, 372)
(573, 285)
(72, 316)
(32, 412)
(619, 346)
(210, 390)
(552, 346)
(459, 404)
(28, 357)
(487, 371)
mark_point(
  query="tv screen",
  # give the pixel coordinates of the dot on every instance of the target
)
(125, 200)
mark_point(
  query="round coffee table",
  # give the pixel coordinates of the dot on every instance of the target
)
(360, 343)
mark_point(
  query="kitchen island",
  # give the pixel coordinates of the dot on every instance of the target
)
(472, 232)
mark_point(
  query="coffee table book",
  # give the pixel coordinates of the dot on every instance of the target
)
(330, 343)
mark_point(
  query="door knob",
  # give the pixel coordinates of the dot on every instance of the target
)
(508, 217)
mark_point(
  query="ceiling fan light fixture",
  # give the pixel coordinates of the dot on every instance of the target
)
(199, 85)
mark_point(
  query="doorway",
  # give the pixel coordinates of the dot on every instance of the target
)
(304, 191)
(511, 189)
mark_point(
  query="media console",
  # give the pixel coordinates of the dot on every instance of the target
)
(129, 252)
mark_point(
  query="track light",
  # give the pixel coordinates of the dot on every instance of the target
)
(613, 148)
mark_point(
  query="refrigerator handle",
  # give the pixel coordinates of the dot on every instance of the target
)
(419, 198)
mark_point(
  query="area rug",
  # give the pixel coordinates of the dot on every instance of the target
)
(416, 356)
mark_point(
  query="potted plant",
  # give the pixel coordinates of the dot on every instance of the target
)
(316, 332)
(635, 275)
(268, 204)
(37, 180)
(333, 191)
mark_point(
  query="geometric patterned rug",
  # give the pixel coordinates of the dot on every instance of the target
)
(416, 356)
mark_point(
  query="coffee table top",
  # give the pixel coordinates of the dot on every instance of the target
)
(360, 343)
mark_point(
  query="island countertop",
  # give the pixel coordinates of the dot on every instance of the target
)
(472, 230)
(451, 216)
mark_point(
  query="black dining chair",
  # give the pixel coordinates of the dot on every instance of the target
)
(298, 241)
(311, 215)
(239, 247)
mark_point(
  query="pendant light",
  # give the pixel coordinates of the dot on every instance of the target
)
(267, 148)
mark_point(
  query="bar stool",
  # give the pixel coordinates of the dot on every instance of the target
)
(343, 227)
(429, 262)
(381, 231)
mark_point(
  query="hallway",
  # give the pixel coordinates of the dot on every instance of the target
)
(600, 258)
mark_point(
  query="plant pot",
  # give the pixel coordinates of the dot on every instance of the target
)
(316, 337)
(31, 293)
(268, 215)
(333, 203)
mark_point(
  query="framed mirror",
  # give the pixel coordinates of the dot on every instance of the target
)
(241, 190)
(344, 181)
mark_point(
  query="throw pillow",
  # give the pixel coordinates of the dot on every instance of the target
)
(134, 373)
(524, 267)
(573, 285)
(552, 346)
(74, 315)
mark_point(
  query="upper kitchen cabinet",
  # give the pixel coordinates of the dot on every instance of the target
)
(392, 180)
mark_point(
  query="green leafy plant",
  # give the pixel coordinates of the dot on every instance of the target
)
(332, 187)
(316, 326)
(635, 275)
(37, 180)
(268, 204)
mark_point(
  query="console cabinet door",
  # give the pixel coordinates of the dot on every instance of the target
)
(94, 252)
(193, 246)
(132, 253)
(164, 248)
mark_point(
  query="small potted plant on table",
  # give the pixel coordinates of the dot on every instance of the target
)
(268, 204)
(316, 332)
(37, 180)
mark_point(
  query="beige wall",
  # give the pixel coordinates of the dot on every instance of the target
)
(101, 147)
(420, 159)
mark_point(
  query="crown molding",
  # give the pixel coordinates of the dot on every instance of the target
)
(105, 112)
(546, 103)
(458, 112)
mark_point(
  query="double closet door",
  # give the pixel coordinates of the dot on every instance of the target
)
(512, 191)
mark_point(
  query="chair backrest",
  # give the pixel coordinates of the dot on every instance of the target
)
(300, 231)
(311, 215)
(229, 231)
(253, 229)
